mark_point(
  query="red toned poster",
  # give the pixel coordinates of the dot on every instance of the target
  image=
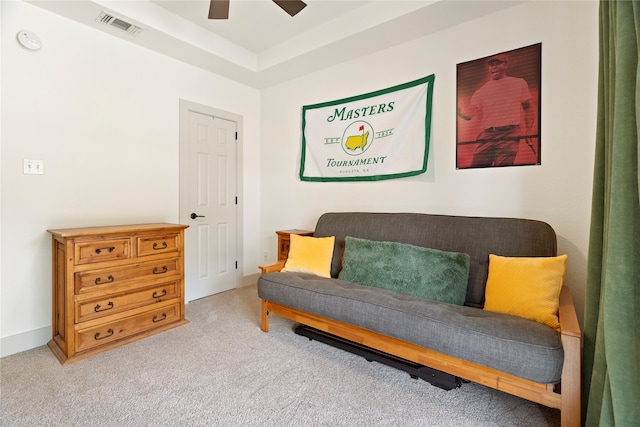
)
(498, 110)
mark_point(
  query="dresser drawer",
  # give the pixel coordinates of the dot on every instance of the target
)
(87, 281)
(105, 306)
(102, 250)
(113, 331)
(152, 245)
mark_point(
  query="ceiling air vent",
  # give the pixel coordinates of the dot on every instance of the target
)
(109, 19)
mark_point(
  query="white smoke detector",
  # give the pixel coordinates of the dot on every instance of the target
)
(29, 40)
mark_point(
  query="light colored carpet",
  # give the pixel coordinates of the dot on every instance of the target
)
(221, 370)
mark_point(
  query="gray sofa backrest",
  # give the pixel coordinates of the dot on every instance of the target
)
(476, 236)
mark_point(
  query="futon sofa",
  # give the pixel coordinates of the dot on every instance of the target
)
(459, 336)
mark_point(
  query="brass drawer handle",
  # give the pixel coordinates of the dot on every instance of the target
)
(156, 319)
(158, 247)
(98, 337)
(160, 271)
(98, 309)
(109, 249)
(155, 294)
(99, 281)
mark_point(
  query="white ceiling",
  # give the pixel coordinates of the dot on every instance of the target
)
(248, 18)
(261, 45)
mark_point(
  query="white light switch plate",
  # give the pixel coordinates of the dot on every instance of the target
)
(33, 166)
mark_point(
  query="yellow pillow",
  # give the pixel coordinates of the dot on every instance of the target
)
(526, 287)
(310, 255)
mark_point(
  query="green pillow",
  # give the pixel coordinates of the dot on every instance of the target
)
(413, 270)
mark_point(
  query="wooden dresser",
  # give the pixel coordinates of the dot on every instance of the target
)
(113, 285)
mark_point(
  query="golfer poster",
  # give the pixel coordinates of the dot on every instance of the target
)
(498, 121)
(374, 136)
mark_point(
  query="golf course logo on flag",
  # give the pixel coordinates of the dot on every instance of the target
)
(375, 136)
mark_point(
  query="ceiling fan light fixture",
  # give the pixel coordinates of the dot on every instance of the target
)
(219, 9)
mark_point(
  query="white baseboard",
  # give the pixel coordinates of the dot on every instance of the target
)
(24, 341)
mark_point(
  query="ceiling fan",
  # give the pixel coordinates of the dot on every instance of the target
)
(219, 9)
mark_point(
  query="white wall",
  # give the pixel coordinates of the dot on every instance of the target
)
(103, 115)
(558, 191)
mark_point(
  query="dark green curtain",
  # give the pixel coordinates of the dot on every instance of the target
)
(611, 383)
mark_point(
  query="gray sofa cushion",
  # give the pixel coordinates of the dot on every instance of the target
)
(476, 236)
(510, 344)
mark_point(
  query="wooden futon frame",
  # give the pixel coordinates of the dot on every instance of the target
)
(564, 396)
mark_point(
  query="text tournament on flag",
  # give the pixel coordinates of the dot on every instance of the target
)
(375, 136)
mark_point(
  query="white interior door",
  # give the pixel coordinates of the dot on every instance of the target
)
(208, 203)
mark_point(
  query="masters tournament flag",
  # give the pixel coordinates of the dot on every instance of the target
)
(375, 136)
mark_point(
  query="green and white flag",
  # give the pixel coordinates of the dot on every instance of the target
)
(375, 136)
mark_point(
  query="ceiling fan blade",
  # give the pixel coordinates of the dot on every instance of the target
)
(219, 9)
(292, 7)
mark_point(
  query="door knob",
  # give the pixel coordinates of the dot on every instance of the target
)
(194, 216)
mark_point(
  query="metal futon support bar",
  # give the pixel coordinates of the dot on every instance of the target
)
(433, 376)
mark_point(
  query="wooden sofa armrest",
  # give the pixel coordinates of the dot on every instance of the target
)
(570, 335)
(567, 314)
(271, 268)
